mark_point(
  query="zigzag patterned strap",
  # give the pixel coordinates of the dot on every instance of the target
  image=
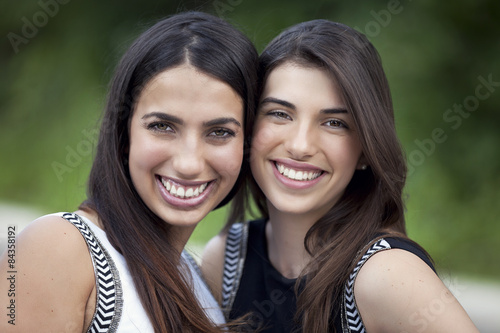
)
(351, 319)
(234, 258)
(109, 293)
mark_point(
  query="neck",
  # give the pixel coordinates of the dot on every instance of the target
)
(285, 234)
(179, 236)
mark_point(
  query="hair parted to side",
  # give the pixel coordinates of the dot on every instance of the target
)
(216, 48)
(372, 202)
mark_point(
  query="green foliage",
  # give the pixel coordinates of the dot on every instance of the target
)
(53, 82)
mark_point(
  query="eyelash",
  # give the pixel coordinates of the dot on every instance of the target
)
(213, 133)
(154, 126)
(339, 123)
(283, 115)
(227, 133)
(279, 114)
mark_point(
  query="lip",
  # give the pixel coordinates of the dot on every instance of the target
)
(184, 182)
(298, 165)
(184, 203)
(296, 184)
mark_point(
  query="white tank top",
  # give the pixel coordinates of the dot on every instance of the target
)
(119, 308)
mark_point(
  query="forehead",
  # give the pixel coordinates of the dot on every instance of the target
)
(185, 80)
(307, 84)
(189, 92)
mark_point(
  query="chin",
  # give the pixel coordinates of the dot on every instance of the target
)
(184, 219)
(287, 208)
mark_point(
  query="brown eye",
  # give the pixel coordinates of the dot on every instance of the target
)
(335, 123)
(160, 127)
(279, 114)
(221, 133)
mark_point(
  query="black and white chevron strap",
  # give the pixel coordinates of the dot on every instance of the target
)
(233, 263)
(109, 293)
(352, 322)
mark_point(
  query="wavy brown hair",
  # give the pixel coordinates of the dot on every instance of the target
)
(372, 203)
(216, 48)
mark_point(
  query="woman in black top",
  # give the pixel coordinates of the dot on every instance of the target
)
(328, 176)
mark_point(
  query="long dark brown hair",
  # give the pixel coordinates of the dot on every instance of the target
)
(372, 202)
(216, 48)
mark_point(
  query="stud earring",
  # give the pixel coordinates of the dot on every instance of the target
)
(363, 167)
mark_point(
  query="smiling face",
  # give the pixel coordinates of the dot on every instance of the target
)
(305, 148)
(186, 144)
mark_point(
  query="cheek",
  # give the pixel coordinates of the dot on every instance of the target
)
(227, 160)
(345, 152)
(145, 154)
(264, 137)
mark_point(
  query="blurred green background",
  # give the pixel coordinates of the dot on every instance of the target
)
(442, 61)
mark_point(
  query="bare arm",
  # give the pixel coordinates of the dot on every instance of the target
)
(53, 281)
(212, 264)
(397, 292)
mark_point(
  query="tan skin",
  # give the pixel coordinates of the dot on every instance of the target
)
(52, 262)
(397, 292)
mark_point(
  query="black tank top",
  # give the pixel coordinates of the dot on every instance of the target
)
(252, 285)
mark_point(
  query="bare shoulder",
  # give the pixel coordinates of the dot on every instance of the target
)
(397, 291)
(47, 227)
(53, 237)
(53, 277)
(212, 264)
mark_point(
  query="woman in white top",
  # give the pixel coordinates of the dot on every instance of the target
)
(170, 151)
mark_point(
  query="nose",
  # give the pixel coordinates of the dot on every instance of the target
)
(189, 160)
(301, 142)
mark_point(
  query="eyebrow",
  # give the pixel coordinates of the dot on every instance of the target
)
(293, 107)
(333, 111)
(164, 116)
(179, 121)
(221, 121)
(278, 101)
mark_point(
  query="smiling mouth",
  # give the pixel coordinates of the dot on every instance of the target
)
(301, 175)
(184, 192)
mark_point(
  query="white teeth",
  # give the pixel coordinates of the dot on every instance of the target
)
(184, 191)
(297, 175)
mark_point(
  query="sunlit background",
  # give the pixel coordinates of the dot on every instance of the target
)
(441, 59)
